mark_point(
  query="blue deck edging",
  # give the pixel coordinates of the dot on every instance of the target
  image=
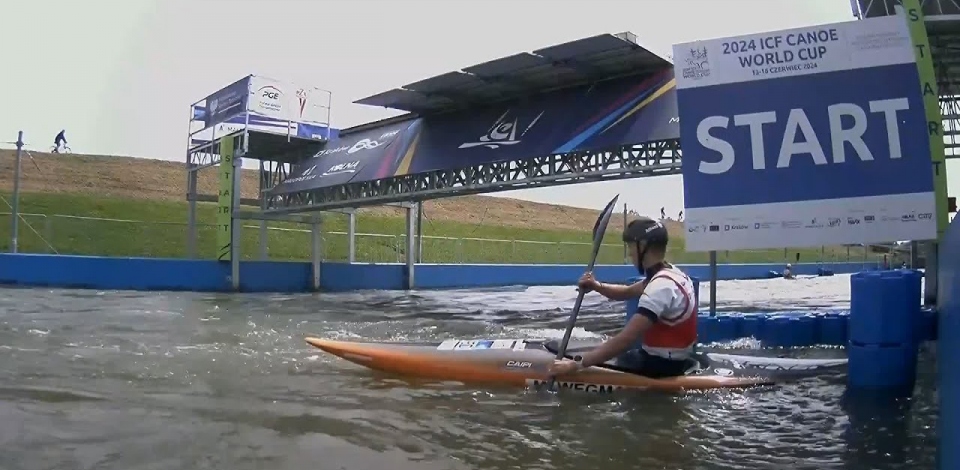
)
(97, 272)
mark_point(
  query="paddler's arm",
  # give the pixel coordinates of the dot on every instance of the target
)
(631, 333)
(619, 291)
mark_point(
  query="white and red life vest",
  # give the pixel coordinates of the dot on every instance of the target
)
(671, 295)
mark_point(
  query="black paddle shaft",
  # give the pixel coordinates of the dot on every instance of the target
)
(599, 229)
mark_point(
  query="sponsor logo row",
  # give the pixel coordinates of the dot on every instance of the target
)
(814, 222)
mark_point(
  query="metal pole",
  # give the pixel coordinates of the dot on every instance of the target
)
(713, 283)
(235, 223)
(352, 237)
(626, 256)
(191, 210)
(317, 248)
(931, 277)
(192, 184)
(16, 194)
(266, 177)
(411, 244)
(420, 231)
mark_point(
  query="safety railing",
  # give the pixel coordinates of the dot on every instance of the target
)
(90, 235)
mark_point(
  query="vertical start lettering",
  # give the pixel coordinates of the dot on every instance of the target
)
(225, 199)
(931, 105)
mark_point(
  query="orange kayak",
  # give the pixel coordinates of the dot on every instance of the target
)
(524, 362)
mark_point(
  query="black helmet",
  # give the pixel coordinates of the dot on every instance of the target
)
(645, 229)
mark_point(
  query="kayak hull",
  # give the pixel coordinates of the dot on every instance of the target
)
(524, 363)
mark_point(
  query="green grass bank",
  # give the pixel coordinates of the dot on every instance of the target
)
(83, 224)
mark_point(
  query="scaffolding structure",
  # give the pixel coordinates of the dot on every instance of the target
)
(577, 63)
(277, 124)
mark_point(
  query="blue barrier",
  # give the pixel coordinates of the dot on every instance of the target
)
(97, 272)
(884, 319)
(160, 274)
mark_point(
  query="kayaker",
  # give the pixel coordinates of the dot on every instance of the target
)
(665, 323)
(788, 272)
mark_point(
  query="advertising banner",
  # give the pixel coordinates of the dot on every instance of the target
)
(288, 101)
(804, 137)
(226, 103)
(605, 115)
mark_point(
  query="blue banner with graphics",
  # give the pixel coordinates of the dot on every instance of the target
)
(606, 115)
(804, 137)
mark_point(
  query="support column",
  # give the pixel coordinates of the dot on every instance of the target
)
(235, 223)
(352, 237)
(931, 277)
(15, 208)
(419, 232)
(411, 245)
(191, 209)
(713, 283)
(316, 243)
(265, 178)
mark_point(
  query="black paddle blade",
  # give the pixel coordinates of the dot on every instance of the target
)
(599, 229)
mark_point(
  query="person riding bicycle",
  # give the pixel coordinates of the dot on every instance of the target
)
(61, 137)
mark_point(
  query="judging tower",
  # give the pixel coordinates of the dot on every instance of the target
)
(258, 118)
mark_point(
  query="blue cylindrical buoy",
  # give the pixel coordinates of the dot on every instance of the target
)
(707, 329)
(752, 326)
(882, 368)
(832, 329)
(776, 332)
(882, 330)
(884, 307)
(726, 328)
(804, 330)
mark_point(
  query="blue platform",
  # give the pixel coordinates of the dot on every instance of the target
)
(96, 272)
(948, 347)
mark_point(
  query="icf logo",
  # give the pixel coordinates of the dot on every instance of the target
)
(302, 99)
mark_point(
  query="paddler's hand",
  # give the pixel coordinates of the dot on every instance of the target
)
(564, 367)
(587, 282)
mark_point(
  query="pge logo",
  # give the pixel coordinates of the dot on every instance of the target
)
(270, 92)
(269, 99)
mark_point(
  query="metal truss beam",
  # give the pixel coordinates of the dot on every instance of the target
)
(650, 159)
(204, 156)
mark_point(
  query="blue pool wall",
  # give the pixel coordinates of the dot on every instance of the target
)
(948, 348)
(107, 273)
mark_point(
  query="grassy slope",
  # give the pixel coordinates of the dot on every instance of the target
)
(153, 190)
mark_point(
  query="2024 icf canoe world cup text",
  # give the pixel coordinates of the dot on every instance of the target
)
(779, 53)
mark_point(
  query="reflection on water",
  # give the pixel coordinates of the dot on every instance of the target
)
(171, 381)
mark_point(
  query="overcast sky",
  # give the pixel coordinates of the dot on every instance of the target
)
(119, 75)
